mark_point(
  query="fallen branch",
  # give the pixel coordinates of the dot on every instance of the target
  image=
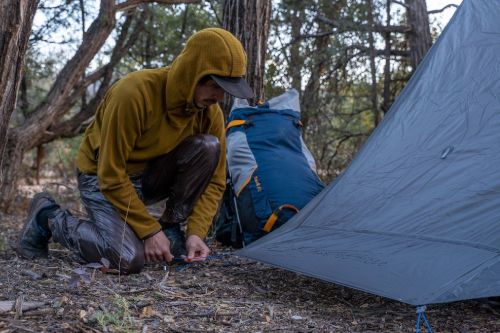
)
(32, 275)
(195, 315)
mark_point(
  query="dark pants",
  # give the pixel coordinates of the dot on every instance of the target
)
(181, 176)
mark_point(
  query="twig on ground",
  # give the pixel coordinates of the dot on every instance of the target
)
(21, 328)
(194, 315)
(31, 274)
(29, 306)
(136, 291)
(193, 330)
(18, 307)
(40, 312)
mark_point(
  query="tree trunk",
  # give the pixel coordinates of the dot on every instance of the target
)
(296, 59)
(373, 67)
(310, 102)
(249, 21)
(419, 37)
(387, 67)
(16, 19)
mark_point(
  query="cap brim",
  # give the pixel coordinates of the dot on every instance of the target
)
(235, 86)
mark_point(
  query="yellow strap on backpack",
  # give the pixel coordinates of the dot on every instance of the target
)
(235, 123)
(274, 216)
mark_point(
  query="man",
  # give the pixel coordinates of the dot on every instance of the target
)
(157, 134)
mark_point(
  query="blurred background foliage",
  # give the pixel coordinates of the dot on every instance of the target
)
(314, 46)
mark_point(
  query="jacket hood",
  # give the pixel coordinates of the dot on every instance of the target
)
(209, 51)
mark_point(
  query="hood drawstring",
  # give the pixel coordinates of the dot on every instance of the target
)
(200, 123)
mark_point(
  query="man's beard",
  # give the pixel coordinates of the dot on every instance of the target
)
(205, 103)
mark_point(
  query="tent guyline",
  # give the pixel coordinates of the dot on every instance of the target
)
(421, 316)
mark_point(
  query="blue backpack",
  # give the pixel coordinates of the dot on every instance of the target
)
(271, 172)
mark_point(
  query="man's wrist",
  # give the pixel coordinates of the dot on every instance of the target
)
(190, 231)
(151, 234)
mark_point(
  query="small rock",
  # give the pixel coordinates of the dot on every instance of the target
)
(60, 312)
(168, 319)
(295, 317)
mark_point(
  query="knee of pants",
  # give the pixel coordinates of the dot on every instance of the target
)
(133, 262)
(209, 144)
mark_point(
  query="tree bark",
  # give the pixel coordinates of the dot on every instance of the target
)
(373, 68)
(16, 20)
(387, 67)
(419, 37)
(249, 21)
(296, 59)
(311, 96)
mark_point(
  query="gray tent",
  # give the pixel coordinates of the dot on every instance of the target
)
(416, 216)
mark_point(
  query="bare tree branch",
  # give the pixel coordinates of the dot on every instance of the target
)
(184, 22)
(219, 21)
(345, 26)
(387, 66)
(373, 66)
(82, 12)
(316, 35)
(70, 75)
(74, 125)
(360, 47)
(131, 4)
(430, 12)
(339, 144)
(399, 3)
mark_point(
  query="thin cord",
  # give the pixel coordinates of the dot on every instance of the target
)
(421, 314)
(182, 265)
(123, 239)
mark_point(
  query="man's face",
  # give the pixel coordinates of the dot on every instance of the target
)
(207, 93)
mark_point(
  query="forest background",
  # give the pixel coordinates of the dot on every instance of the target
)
(349, 60)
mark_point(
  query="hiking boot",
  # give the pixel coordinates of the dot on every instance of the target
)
(34, 239)
(177, 239)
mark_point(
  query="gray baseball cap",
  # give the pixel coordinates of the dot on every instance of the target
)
(235, 86)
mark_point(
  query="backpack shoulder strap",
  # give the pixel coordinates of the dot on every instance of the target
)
(235, 123)
(274, 216)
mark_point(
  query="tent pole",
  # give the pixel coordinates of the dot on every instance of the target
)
(235, 202)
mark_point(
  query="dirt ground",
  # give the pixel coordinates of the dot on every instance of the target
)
(224, 294)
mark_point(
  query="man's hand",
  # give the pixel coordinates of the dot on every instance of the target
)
(157, 248)
(196, 248)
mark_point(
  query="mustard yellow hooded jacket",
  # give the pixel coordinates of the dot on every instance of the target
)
(148, 113)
